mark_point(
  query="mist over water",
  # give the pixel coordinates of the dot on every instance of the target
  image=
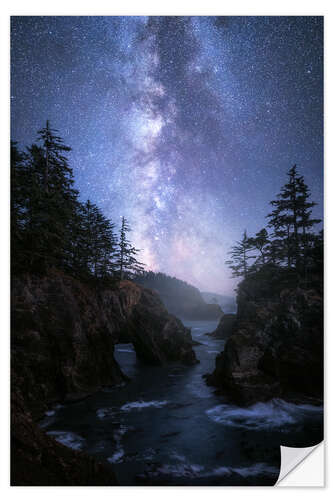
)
(166, 426)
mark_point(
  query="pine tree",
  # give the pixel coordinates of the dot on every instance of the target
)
(239, 262)
(19, 185)
(95, 243)
(57, 197)
(291, 221)
(56, 169)
(44, 203)
(284, 219)
(275, 251)
(127, 264)
(260, 242)
(305, 221)
(50, 227)
(104, 246)
(315, 253)
(34, 221)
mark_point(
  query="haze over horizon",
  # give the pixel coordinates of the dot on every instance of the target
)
(184, 125)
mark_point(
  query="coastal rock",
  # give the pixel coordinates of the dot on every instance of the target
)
(158, 337)
(64, 332)
(62, 348)
(225, 327)
(276, 348)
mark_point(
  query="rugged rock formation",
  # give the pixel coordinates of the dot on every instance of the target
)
(225, 327)
(276, 348)
(63, 336)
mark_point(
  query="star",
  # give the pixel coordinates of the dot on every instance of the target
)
(184, 125)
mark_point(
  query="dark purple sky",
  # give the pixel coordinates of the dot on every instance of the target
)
(187, 126)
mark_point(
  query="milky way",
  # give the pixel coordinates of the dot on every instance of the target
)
(186, 126)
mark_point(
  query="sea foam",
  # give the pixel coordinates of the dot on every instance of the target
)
(261, 416)
(69, 439)
(140, 405)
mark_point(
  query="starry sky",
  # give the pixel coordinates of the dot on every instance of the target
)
(184, 125)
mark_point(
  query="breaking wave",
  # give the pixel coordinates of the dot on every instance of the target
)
(69, 439)
(261, 416)
(119, 453)
(139, 405)
(182, 470)
(105, 412)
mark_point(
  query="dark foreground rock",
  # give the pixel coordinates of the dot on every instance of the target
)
(62, 348)
(39, 460)
(225, 327)
(276, 348)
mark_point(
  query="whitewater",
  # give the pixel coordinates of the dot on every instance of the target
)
(167, 427)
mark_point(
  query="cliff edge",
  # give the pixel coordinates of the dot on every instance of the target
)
(62, 348)
(276, 346)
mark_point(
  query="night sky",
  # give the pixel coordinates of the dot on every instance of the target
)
(186, 126)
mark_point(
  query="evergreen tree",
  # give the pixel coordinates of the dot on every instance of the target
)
(291, 221)
(19, 180)
(56, 169)
(239, 262)
(282, 220)
(26, 192)
(50, 227)
(95, 243)
(127, 264)
(305, 221)
(44, 202)
(315, 253)
(104, 246)
(260, 242)
(58, 198)
(275, 251)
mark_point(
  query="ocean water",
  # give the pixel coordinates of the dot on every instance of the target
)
(167, 427)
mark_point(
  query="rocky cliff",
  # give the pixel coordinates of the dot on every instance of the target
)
(276, 348)
(62, 342)
(225, 327)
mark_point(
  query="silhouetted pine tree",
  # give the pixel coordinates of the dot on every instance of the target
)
(127, 265)
(94, 242)
(50, 203)
(305, 222)
(260, 242)
(315, 253)
(19, 180)
(104, 246)
(50, 227)
(30, 250)
(239, 262)
(291, 221)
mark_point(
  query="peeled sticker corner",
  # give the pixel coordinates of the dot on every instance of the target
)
(302, 466)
